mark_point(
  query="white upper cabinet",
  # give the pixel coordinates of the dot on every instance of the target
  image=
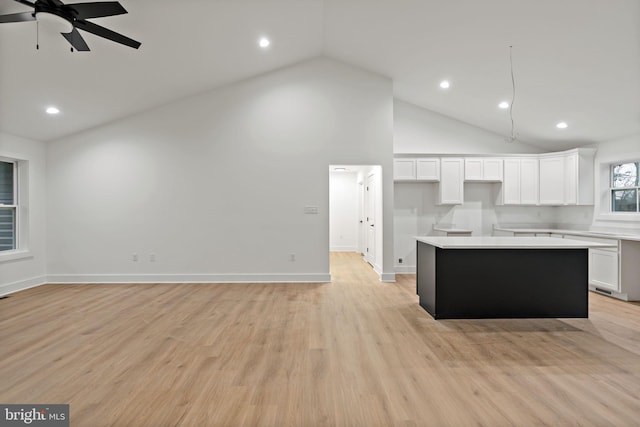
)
(571, 179)
(420, 169)
(552, 180)
(404, 169)
(473, 169)
(451, 181)
(428, 169)
(492, 169)
(520, 182)
(567, 178)
(579, 176)
(529, 171)
(478, 169)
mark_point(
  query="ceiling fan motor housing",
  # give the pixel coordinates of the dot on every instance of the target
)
(69, 18)
(56, 18)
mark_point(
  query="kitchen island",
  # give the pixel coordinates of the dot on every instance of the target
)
(503, 277)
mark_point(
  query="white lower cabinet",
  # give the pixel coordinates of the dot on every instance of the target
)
(603, 269)
(604, 264)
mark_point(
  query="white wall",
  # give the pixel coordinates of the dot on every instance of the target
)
(27, 271)
(216, 185)
(417, 131)
(618, 150)
(343, 211)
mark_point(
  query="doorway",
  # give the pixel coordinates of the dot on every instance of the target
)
(355, 211)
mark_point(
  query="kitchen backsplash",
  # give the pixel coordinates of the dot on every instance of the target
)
(416, 213)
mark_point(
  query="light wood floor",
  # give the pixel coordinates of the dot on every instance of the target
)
(355, 352)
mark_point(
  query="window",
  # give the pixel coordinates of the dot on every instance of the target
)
(625, 187)
(8, 205)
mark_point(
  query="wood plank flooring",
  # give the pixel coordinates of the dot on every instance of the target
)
(355, 352)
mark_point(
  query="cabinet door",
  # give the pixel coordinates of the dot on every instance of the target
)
(511, 182)
(451, 181)
(473, 169)
(492, 169)
(603, 269)
(404, 169)
(529, 181)
(552, 180)
(428, 169)
(571, 179)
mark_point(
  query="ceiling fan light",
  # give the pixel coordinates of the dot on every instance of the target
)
(54, 22)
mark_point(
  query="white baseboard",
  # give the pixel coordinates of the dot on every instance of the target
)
(189, 278)
(21, 285)
(388, 277)
(343, 249)
(405, 269)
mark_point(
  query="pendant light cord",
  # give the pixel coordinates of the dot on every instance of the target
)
(37, 35)
(513, 96)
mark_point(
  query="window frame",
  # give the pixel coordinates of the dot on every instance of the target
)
(14, 206)
(21, 203)
(635, 188)
(603, 180)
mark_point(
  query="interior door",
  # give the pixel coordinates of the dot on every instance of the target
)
(370, 219)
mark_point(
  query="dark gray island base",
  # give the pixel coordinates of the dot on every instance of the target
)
(495, 282)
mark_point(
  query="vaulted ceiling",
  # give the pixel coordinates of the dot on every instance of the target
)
(576, 61)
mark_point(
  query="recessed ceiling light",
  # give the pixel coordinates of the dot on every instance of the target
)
(264, 42)
(445, 84)
(562, 125)
(504, 105)
(52, 110)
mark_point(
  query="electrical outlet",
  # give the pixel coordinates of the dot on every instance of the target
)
(152, 257)
(399, 260)
(292, 257)
(134, 257)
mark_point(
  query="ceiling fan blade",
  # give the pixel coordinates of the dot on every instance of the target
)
(97, 9)
(76, 40)
(25, 2)
(17, 17)
(106, 33)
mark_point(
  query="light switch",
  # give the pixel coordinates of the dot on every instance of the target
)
(311, 210)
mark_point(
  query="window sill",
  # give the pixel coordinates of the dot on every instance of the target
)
(619, 217)
(15, 255)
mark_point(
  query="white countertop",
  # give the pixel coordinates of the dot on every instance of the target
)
(452, 229)
(603, 234)
(496, 242)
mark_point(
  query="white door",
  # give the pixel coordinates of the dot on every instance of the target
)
(362, 226)
(370, 219)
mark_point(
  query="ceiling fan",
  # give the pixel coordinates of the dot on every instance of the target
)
(73, 17)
